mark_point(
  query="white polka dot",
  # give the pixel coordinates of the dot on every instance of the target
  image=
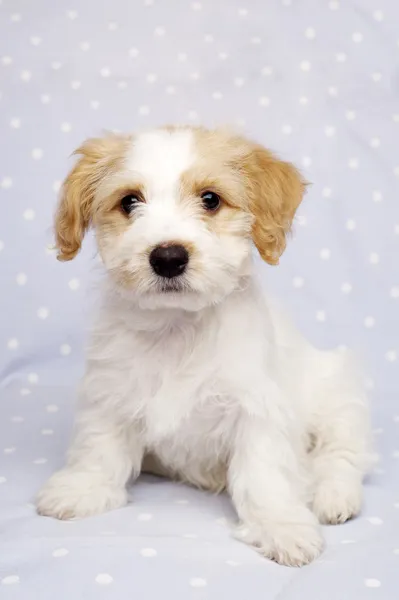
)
(196, 6)
(29, 214)
(374, 258)
(122, 85)
(372, 583)
(182, 57)
(306, 161)
(66, 127)
(396, 171)
(396, 229)
(348, 542)
(325, 253)
(377, 196)
(375, 142)
(52, 408)
(353, 163)
(264, 101)
(13, 343)
(375, 520)
(159, 31)
(144, 517)
(104, 579)
(310, 33)
(223, 55)
(60, 552)
(144, 110)
(208, 39)
(182, 501)
(350, 224)
(232, 563)
(301, 220)
(329, 130)
(3, 479)
(25, 391)
(21, 279)
(105, 72)
(56, 65)
(378, 15)
(198, 582)
(395, 118)
(10, 580)
(192, 114)
(94, 104)
(256, 40)
(15, 123)
(376, 77)
(286, 129)
(170, 89)
(6, 183)
(369, 322)
(72, 14)
(65, 349)
(37, 153)
(303, 100)
(320, 316)
(391, 355)
(45, 98)
(17, 419)
(148, 552)
(326, 192)
(298, 282)
(1, 245)
(112, 26)
(396, 418)
(217, 95)
(396, 550)
(239, 81)
(190, 536)
(350, 115)
(305, 66)
(74, 284)
(395, 454)
(47, 432)
(40, 461)
(394, 293)
(84, 46)
(26, 75)
(340, 57)
(267, 71)
(357, 37)
(43, 312)
(243, 12)
(9, 450)
(332, 90)
(15, 18)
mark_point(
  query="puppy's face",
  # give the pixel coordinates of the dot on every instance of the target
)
(175, 211)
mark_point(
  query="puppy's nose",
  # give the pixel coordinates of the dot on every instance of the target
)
(169, 261)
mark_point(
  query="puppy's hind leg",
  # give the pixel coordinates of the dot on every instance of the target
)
(341, 454)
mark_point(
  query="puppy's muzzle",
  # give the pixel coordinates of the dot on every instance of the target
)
(169, 260)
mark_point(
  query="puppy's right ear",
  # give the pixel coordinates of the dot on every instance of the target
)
(98, 157)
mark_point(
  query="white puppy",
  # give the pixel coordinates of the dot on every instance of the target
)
(191, 372)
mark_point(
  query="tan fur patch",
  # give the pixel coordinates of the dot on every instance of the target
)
(99, 157)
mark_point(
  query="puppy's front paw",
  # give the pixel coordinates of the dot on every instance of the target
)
(336, 501)
(293, 544)
(73, 494)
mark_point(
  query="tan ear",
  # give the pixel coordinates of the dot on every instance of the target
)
(98, 156)
(275, 190)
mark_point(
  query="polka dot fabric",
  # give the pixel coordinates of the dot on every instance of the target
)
(315, 80)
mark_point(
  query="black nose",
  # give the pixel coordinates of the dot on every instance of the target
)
(169, 261)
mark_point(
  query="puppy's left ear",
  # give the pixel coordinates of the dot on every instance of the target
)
(275, 190)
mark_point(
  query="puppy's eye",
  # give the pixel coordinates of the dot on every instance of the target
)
(129, 203)
(210, 201)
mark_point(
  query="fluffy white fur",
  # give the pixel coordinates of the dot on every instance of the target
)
(211, 384)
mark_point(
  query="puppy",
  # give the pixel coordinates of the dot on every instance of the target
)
(191, 371)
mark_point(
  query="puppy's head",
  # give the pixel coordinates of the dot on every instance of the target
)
(175, 211)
